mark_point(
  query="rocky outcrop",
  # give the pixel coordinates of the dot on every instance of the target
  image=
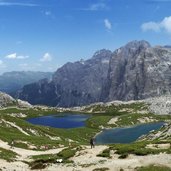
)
(139, 71)
(160, 105)
(164, 133)
(23, 104)
(6, 100)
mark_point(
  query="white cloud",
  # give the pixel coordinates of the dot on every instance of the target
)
(19, 42)
(159, 0)
(151, 26)
(46, 58)
(165, 25)
(48, 13)
(12, 56)
(1, 62)
(3, 3)
(15, 56)
(107, 24)
(2, 65)
(96, 7)
(23, 65)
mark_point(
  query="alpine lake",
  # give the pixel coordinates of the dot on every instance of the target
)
(106, 136)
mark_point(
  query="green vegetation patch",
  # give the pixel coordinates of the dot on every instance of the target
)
(7, 155)
(105, 153)
(137, 148)
(42, 161)
(117, 109)
(101, 169)
(136, 118)
(97, 121)
(154, 168)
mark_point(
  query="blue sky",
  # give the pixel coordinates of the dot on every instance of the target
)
(45, 34)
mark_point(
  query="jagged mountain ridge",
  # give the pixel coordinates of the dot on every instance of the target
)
(134, 71)
(13, 81)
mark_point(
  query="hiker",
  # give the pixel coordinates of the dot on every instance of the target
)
(92, 142)
(12, 143)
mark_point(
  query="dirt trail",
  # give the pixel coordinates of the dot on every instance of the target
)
(85, 160)
(25, 154)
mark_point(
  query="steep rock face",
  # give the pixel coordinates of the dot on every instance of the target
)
(132, 72)
(41, 92)
(138, 71)
(74, 84)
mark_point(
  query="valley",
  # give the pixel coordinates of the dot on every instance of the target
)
(85, 85)
(28, 146)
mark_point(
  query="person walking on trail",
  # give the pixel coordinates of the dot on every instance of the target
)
(92, 143)
(12, 143)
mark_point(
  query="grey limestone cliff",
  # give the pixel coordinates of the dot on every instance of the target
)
(132, 72)
(139, 71)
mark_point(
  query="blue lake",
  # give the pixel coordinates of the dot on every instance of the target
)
(107, 136)
(66, 120)
(126, 135)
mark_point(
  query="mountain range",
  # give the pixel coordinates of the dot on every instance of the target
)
(132, 72)
(11, 82)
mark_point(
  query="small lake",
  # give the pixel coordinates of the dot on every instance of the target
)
(126, 135)
(65, 120)
(107, 136)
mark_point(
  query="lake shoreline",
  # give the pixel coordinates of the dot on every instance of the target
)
(101, 137)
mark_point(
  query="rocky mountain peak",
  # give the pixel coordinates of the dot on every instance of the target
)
(101, 54)
(132, 48)
(138, 44)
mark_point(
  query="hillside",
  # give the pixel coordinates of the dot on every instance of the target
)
(47, 148)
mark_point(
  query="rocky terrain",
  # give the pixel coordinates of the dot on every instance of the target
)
(160, 105)
(7, 101)
(163, 134)
(133, 72)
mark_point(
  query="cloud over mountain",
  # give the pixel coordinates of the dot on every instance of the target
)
(15, 56)
(164, 25)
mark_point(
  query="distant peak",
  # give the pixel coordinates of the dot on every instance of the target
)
(136, 43)
(103, 53)
(167, 46)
